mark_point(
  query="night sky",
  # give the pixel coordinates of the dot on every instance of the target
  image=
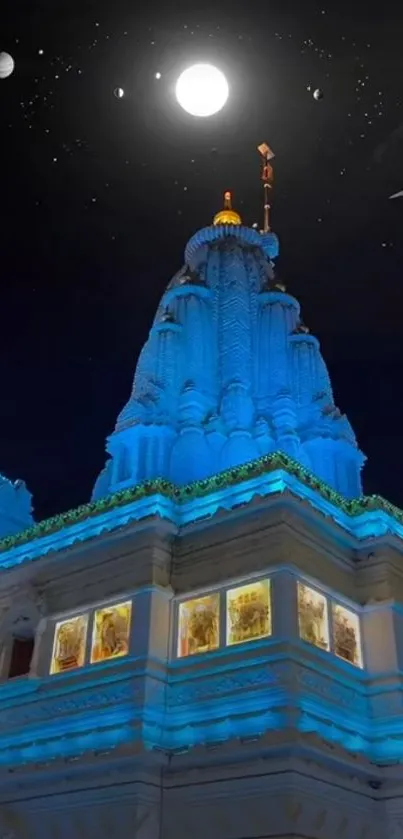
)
(99, 196)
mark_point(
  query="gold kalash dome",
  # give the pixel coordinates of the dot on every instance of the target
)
(227, 215)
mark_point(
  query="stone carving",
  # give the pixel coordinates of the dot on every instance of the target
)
(111, 632)
(48, 708)
(313, 617)
(236, 340)
(332, 691)
(265, 676)
(22, 605)
(15, 507)
(69, 644)
(346, 634)
(199, 625)
(248, 612)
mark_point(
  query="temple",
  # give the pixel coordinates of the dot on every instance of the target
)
(229, 373)
(213, 644)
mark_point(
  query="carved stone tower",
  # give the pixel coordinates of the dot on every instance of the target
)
(228, 374)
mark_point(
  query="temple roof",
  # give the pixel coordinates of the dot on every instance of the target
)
(364, 517)
(229, 373)
(15, 506)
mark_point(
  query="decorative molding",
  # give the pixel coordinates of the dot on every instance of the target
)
(332, 691)
(269, 475)
(266, 675)
(48, 708)
(310, 701)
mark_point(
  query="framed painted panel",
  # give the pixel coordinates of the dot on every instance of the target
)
(69, 644)
(111, 632)
(248, 612)
(346, 634)
(313, 617)
(199, 625)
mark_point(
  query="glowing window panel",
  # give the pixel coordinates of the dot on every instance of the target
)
(111, 632)
(199, 625)
(248, 612)
(69, 644)
(313, 617)
(346, 634)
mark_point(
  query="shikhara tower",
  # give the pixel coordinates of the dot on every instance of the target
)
(229, 373)
(214, 645)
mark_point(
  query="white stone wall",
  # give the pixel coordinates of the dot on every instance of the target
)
(301, 775)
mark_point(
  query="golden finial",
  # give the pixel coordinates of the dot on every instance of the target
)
(267, 178)
(227, 215)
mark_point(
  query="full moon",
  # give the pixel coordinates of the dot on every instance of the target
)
(202, 90)
(6, 65)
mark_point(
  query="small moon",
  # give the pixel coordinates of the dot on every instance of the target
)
(202, 90)
(157, 75)
(119, 92)
(318, 94)
(6, 65)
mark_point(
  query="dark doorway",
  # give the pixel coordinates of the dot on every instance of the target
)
(21, 656)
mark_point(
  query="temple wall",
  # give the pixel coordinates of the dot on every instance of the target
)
(272, 799)
(232, 736)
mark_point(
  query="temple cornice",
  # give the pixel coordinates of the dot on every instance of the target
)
(245, 236)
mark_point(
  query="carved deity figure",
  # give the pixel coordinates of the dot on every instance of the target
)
(111, 632)
(199, 625)
(69, 649)
(203, 627)
(111, 640)
(248, 613)
(346, 643)
(312, 616)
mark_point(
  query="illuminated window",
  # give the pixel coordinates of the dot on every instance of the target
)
(199, 625)
(248, 612)
(313, 617)
(346, 634)
(69, 644)
(111, 632)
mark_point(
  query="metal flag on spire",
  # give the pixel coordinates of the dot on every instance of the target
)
(267, 177)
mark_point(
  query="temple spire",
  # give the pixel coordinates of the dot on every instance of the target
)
(229, 373)
(267, 178)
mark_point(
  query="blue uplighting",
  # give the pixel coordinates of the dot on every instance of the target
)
(228, 374)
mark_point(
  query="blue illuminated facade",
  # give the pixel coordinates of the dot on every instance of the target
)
(214, 644)
(229, 373)
(15, 507)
